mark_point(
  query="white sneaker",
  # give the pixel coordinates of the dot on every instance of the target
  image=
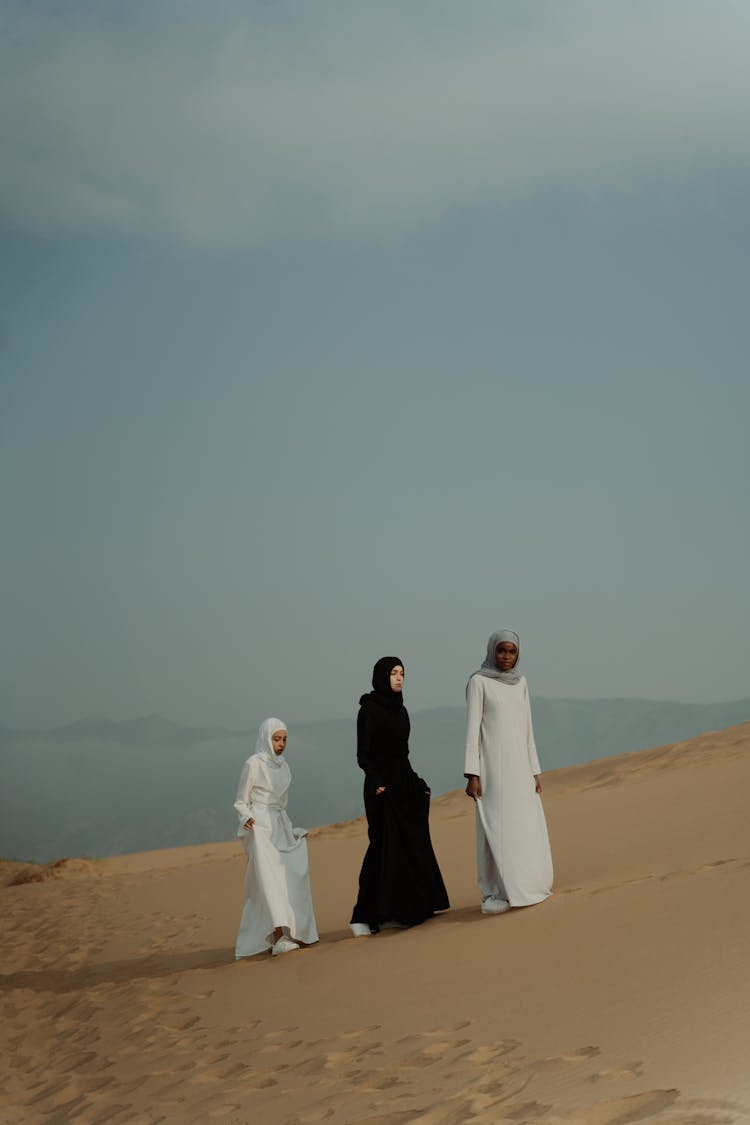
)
(492, 905)
(284, 945)
(360, 929)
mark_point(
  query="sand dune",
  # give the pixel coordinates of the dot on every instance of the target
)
(625, 998)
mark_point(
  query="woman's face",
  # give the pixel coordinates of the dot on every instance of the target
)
(397, 678)
(278, 741)
(506, 655)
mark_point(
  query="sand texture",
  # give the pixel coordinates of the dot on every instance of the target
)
(624, 998)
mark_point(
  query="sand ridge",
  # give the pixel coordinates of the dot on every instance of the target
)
(622, 999)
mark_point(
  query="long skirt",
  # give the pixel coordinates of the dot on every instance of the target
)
(513, 853)
(400, 880)
(277, 886)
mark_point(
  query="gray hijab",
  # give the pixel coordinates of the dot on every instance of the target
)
(490, 669)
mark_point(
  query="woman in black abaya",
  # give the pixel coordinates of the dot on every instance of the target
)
(400, 880)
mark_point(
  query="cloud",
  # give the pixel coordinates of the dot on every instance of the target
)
(237, 125)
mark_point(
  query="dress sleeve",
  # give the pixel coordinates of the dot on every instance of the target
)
(530, 743)
(365, 756)
(244, 802)
(474, 711)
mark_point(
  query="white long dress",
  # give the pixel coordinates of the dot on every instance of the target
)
(277, 880)
(513, 853)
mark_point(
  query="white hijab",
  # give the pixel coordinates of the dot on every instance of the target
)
(264, 746)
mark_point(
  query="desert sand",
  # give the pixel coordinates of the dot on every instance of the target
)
(624, 998)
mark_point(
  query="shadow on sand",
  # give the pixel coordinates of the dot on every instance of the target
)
(116, 972)
(172, 964)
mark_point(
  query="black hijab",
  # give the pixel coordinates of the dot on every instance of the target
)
(384, 698)
(381, 682)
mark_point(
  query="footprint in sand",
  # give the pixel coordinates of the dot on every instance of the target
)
(567, 1058)
(233, 1071)
(520, 1111)
(222, 1110)
(359, 1031)
(216, 1060)
(432, 1053)
(315, 1066)
(621, 1111)
(186, 1042)
(336, 1060)
(627, 1070)
(377, 1080)
(271, 1049)
(397, 1117)
(490, 1052)
(259, 1082)
(461, 1109)
(494, 1087)
(117, 1113)
(203, 1076)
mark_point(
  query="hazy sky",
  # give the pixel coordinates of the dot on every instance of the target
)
(336, 330)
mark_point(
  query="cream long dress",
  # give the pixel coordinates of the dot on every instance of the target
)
(277, 880)
(513, 853)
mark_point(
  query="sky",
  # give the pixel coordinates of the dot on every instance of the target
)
(337, 330)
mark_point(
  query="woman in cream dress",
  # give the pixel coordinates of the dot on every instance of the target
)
(278, 911)
(514, 863)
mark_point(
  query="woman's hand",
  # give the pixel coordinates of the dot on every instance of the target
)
(538, 782)
(473, 787)
(380, 789)
(249, 824)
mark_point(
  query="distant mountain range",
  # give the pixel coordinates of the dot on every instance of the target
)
(101, 787)
(152, 730)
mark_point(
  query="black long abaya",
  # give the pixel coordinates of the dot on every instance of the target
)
(400, 879)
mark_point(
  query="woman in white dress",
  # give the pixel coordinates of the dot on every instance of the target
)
(514, 863)
(278, 911)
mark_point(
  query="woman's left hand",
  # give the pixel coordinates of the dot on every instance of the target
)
(538, 782)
